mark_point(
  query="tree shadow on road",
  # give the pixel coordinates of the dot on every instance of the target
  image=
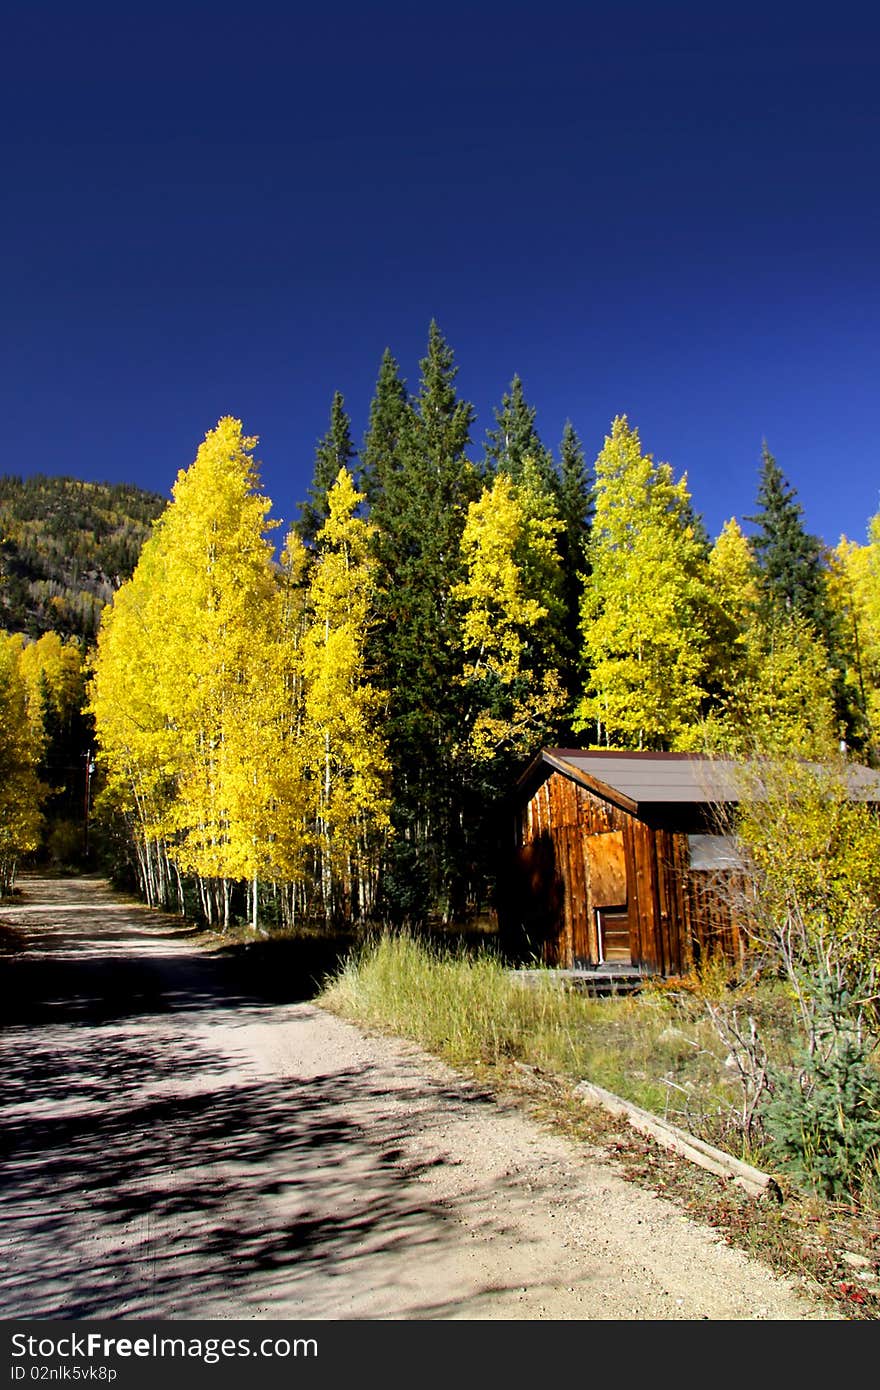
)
(108, 982)
(153, 1168)
(127, 1194)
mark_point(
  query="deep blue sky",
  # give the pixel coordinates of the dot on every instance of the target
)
(669, 211)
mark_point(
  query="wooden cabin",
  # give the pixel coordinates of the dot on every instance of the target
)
(619, 862)
(604, 847)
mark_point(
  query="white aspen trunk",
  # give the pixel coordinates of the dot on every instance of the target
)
(152, 857)
(143, 874)
(255, 900)
(161, 875)
(181, 899)
(205, 899)
(144, 862)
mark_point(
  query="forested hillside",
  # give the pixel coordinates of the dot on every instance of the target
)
(65, 546)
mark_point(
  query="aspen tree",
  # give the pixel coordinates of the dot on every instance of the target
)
(769, 677)
(854, 590)
(346, 750)
(52, 668)
(643, 616)
(733, 581)
(54, 672)
(20, 790)
(137, 743)
(511, 610)
(200, 664)
(222, 591)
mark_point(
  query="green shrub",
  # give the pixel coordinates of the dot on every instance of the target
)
(823, 1120)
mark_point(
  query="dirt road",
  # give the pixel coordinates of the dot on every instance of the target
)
(177, 1146)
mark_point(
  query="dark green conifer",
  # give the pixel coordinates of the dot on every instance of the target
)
(515, 439)
(793, 577)
(389, 409)
(421, 494)
(334, 451)
(790, 561)
(576, 513)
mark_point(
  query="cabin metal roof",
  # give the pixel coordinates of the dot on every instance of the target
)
(634, 779)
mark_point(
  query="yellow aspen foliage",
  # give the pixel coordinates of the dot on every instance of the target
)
(191, 684)
(497, 611)
(53, 670)
(730, 648)
(646, 603)
(768, 673)
(814, 848)
(511, 614)
(20, 790)
(346, 753)
(138, 746)
(732, 572)
(785, 703)
(221, 659)
(854, 588)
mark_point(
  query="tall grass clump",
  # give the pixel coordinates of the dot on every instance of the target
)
(463, 1007)
(469, 1009)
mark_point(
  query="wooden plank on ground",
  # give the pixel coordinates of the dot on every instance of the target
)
(752, 1180)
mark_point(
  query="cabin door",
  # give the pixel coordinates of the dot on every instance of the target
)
(613, 932)
(609, 898)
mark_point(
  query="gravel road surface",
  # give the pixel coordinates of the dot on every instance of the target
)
(177, 1146)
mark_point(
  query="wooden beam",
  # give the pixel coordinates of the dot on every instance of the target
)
(752, 1180)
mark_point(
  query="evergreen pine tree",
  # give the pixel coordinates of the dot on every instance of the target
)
(794, 576)
(515, 439)
(334, 451)
(790, 561)
(389, 410)
(576, 514)
(421, 494)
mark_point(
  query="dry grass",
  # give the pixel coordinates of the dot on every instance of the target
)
(658, 1049)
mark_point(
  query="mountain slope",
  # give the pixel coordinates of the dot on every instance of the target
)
(65, 546)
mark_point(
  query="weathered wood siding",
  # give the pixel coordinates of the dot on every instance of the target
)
(569, 865)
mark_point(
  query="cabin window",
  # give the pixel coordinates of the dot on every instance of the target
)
(714, 852)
